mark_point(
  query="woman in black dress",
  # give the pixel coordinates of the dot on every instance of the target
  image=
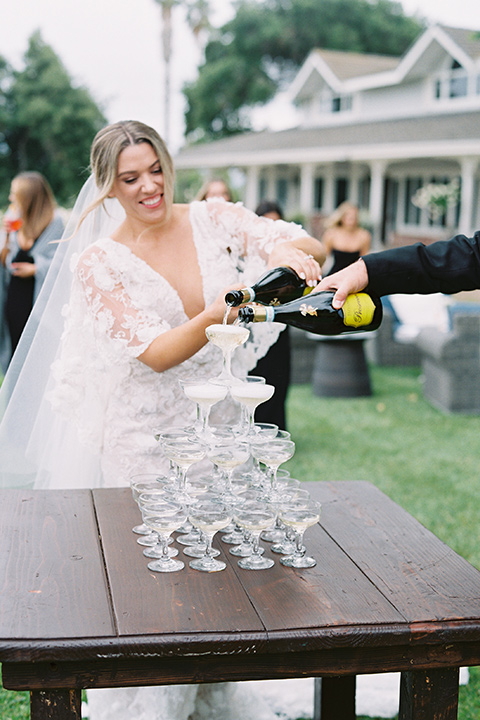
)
(344, 240)
(30, 228)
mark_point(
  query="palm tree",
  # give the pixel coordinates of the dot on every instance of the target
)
(197, 19)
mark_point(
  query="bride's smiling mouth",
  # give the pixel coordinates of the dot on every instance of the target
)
(152, 202)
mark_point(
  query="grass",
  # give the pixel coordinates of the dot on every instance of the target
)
(426, 461)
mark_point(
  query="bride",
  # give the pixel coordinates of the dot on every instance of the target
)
(120, 320)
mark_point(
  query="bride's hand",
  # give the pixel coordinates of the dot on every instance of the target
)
(218, 307)
(304, 264)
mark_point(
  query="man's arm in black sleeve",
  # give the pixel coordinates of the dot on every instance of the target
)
(445, 266)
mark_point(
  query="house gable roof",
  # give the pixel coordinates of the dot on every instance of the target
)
(346, 72)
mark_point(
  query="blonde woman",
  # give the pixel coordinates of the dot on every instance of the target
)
(344, 239)
(28, 251)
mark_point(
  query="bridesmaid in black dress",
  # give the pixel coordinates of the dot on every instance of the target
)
(30, 227)
(344, 240)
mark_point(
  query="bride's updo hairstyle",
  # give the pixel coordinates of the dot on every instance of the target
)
(107, 145)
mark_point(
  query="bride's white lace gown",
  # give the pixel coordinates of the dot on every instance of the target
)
(118, 306)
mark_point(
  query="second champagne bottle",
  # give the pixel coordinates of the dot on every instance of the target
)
(361, 312)
(276, 286)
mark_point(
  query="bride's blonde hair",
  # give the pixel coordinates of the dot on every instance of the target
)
(106, 148)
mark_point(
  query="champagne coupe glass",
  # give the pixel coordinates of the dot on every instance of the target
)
(164, 520)
(300, 517)
(255, 517)
(205, 394)
(143, 483)
(149, 503)
(165, 435)
(209, 517)
(263, 431)
(273, 454)
(294, 497)
(250, 393)
(227, 455)
(184, 453)
(227, 338)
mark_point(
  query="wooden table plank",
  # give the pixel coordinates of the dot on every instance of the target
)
(334, 593)
(53, 582)
(421, 576)
(146, 602)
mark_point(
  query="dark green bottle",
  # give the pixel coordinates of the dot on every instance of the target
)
(360, 313)
(276, 286)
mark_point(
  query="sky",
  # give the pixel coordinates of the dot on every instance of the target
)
(113, 48)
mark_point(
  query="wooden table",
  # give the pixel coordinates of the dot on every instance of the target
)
(79, 609)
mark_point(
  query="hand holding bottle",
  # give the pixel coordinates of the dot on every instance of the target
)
(352, 279)
(304, 264)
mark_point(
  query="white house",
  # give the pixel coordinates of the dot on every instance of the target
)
(372, 129)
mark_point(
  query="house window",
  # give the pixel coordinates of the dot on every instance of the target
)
(458, 84)
(262, 189)
(412, 213)
(318, 193)
(341, 103)
(453, 83)
(341, 190)
(282, 191)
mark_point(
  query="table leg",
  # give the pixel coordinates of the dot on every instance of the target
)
(56, 704)
(429, 694)
(334, 698)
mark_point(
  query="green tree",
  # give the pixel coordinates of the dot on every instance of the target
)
(253, 55)
(46, 123)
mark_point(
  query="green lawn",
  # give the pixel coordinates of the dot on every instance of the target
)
(424, 460)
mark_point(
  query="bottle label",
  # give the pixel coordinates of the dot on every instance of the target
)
(307, 310)
(248, 294)
(358, 310)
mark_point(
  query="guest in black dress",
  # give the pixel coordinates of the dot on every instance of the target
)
(30, 227)
(344, 240)
(275, 365)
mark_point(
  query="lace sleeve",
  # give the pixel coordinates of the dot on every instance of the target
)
(259, 235)
(116, 315)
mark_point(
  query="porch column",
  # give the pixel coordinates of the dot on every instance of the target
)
(354, 182)
(377, 174)
(251, 189)
(306, 189)
(468, 168)
(329, 190)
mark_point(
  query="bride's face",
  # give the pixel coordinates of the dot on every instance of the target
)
(139, 184)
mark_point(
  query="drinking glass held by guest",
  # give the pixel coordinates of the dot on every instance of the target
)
(30, 226)
(139, 282)
(344, 239)
(275, 365)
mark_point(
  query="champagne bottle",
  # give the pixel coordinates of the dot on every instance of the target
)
(279, 285)
(360, 312)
